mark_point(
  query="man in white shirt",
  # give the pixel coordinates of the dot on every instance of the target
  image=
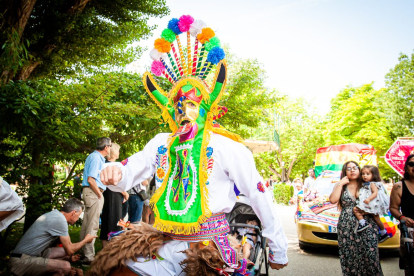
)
(309, 180)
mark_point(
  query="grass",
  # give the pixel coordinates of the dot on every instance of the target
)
(16, 234)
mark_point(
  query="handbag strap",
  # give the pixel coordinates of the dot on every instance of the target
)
(135, 191)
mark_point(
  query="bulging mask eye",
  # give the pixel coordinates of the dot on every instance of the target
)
(190, 104)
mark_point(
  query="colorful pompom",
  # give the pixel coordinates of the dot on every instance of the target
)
(173, 26)
(216, 55)
(205, 35)
(185, 23)
(157, 68)
(162, 45)
(155, 54)
(168, 35)
(214, 42)
(196, 27)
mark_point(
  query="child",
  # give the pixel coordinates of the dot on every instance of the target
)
(372, 200)
(311, 195)
(250, 235)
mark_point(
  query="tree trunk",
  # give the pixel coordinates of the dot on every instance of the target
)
(18, 13)
(25, 72)
(78, 6)
(39, 195)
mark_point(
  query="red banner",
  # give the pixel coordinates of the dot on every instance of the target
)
(398, 153)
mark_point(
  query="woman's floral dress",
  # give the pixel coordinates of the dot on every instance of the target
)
(358, 252)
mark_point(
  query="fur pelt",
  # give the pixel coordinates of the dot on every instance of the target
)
(203, 260)
(143, 240)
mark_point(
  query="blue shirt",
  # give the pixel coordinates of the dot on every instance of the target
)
(93, 164)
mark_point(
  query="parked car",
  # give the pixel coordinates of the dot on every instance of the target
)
(316, 218)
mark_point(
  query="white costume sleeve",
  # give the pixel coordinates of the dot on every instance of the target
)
(240, 167)
(9, 201)
(139, 166)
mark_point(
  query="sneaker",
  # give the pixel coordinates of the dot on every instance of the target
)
(383, 238)
(362, 227)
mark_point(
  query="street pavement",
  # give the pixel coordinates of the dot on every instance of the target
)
(319, 261)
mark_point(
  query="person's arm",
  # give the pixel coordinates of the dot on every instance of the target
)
(71, 248)
(5, 214)
(305, 186)
(337, 190)
(11, 206)
(122, 176)
(94, 186)
(395, 203)
(374, 193)
(240, 167)
(126, 196)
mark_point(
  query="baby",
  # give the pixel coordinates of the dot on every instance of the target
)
(249, 237)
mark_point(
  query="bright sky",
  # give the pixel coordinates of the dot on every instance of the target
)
(309, 48)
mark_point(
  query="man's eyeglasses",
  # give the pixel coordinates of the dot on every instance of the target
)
(109, 145)
(354, 168)
(410, 164)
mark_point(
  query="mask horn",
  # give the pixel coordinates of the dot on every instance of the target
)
(220, 83)
(155, 91)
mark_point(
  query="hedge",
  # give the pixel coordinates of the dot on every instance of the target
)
(283, 193)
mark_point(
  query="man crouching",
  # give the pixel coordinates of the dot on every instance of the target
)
(33, 254)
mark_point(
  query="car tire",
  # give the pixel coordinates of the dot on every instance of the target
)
(303, 246)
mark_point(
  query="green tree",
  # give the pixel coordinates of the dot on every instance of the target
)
(300, 135)
(60, 38)
(398, 98)
(46, 122)
(357, 116)
(246, 96)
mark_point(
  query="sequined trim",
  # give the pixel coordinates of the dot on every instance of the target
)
(215, 225)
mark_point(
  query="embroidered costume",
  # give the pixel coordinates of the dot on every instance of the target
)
(197, 166)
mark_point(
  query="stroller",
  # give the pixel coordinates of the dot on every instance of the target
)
(237, 218)
(407, 262)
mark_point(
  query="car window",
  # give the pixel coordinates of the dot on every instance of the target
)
(325, 182)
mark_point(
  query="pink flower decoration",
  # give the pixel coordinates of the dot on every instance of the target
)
(124, 162)
(185, 23)
(260, 187)
(157, 68)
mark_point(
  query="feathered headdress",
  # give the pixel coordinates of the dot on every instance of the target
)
(181, 203)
